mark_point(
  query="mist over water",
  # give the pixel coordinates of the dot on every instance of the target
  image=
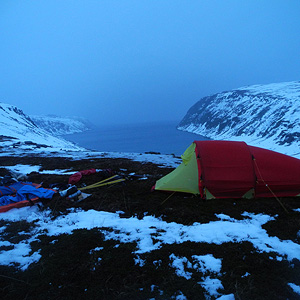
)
(162, 137)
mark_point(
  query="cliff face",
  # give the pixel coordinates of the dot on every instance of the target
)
(262, 115)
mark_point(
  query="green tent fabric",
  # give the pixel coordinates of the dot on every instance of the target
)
(185, 177)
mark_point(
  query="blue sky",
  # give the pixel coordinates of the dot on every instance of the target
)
(138, 61)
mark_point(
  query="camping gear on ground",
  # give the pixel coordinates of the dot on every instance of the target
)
(228, 169)
(75, 195)
(107, 181)
(69, 191)
(12, 177)
(72, 193)
(80, 197)
(76, 177)
(22, 194)
(59, 186)
(8, 179)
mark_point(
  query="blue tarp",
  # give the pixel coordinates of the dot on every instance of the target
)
(20, 191)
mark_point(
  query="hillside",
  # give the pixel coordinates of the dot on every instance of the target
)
(126, 242)
(61, 125)
(19, 133)
(261, 115)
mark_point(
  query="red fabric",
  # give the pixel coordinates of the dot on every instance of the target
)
(74, 178)
(88, 172)
(226, 168)
(230, 169)
(77, 176)
(280, 172)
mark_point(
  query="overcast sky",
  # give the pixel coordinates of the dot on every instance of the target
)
(133, 61)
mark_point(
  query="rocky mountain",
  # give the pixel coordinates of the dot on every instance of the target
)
(261, 115)
(61, 125)
(19, 132)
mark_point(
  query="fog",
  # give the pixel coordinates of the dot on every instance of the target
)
(139, 61)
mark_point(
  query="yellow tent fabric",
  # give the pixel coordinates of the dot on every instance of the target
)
(185, 177)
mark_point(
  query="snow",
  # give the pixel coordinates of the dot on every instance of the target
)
(226, 297)
(20, 254)
(282, 89)
(245, 275)
(128, 230)
(20, 136)
(139, 261)
(23, 169)
(140, 231)
(180, 296)
(212, 285)
(296, 288)
(179, 264)
(57, 125)
(16, 125)
(27, 169)
(206, 264)
(163, 160)
(266, 116)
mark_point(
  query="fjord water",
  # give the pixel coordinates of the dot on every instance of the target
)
(162, 137)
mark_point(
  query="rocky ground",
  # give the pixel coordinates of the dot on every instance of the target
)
(65, 268)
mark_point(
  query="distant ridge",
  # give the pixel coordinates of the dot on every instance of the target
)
(261, 115)
(57, 125)
(19, 132)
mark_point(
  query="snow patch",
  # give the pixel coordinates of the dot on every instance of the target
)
(266, 116)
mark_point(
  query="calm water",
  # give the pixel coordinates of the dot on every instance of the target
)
(157, 137)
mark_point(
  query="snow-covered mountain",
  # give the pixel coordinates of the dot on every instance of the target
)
(61, 125)
(261, 115)
(18, 131)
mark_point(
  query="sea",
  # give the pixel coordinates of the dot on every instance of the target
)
(159, 137)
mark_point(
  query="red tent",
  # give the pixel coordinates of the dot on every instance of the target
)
(229, 169)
